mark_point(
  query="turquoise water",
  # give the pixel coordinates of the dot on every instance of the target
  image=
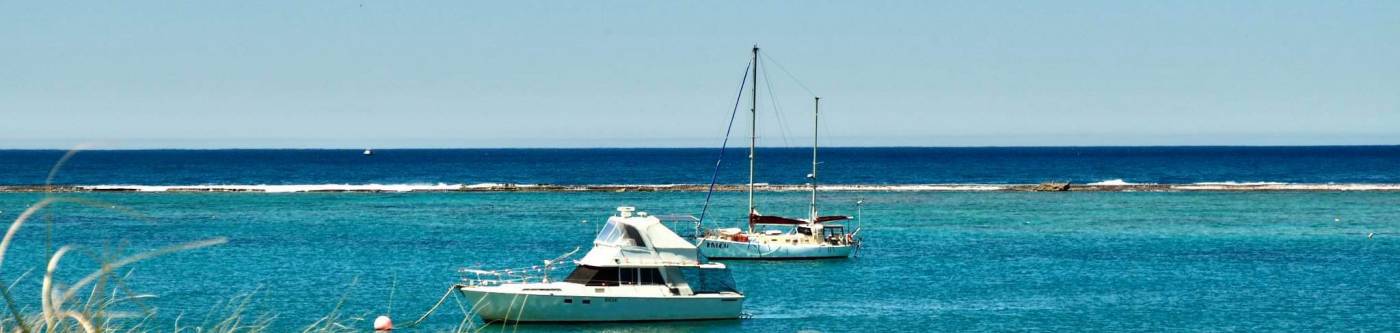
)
(934, 261)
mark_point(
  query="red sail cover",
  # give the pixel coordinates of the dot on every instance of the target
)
(767, 219)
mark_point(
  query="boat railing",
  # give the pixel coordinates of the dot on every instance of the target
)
(686, 226)
(655, 262)
(496, 277)
(480, 277)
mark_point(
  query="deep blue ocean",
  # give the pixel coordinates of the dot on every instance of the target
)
(1163, 165)
(933, 261)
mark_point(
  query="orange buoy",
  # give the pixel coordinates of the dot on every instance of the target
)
(383, 324)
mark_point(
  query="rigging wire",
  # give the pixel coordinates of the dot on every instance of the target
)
(777, 111)
(774, 61)
(727, 130)
(789, 74)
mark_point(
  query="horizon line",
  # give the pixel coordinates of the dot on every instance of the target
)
(702, 147)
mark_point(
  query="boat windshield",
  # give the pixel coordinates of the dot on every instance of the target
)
(709, 281)
(613, 233)
(609, 235)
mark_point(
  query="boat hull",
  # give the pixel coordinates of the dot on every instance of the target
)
(717, 249)
(514, 307)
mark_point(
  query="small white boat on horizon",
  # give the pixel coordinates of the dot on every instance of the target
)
(637, 270)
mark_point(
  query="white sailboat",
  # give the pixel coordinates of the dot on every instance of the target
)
(776, 237)
(637, 270)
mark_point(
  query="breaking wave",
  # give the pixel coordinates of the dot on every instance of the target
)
(1114, 182)
(282, 188)
(1106, 185)
(442, 187)
(1276, 186)
(1235, 183)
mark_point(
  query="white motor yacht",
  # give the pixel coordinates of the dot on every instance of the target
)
(637, 270)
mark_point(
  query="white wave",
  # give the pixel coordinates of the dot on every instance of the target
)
(657, 186)
(910, 188)
(264, 188)
(1235, 183)
(1114, 182)
(1273, 186)
(280, 188)
(442, 187)
(486, 185)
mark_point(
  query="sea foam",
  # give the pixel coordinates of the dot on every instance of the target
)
(279, 188)
(1108, 185)
(1235, 183)
(1114, 182)
(1276, 186)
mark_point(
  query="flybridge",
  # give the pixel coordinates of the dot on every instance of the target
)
(636, 238)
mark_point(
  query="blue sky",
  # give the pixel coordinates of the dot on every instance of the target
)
(139, 74)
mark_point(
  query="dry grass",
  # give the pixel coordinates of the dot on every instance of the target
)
(61, 309)
(90, 303)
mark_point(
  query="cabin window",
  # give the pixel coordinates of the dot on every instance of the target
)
(627, 276)
(640, 276)
(834, 230)
(635, 236)
(708, 280)
(652, 276)
(804, 230)
(595, 276)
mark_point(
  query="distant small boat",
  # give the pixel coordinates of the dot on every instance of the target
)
(369, 152)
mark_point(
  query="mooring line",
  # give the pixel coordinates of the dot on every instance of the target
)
(435, 307)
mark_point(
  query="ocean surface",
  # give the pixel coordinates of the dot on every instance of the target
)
(1161, 165)
(933, 261)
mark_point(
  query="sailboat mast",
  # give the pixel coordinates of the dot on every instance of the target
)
(753, 134)
(816, 109)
